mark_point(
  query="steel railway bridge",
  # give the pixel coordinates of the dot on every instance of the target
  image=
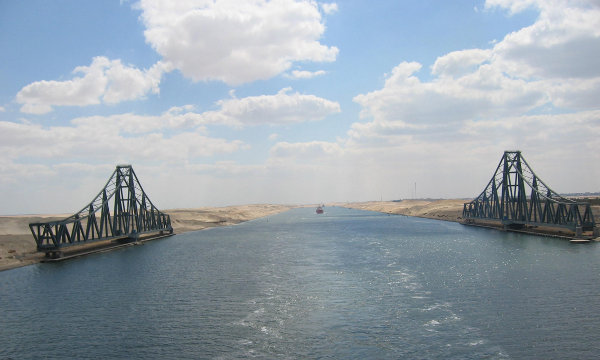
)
(517, 197)
(121, 210)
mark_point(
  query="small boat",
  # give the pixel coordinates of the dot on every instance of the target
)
(319, 210)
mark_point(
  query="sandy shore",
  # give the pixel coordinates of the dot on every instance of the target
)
(450, 210)
(18, 248)
(184, 220)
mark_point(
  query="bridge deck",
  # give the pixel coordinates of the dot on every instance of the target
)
(99, 247)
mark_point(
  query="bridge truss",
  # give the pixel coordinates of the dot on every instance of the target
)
(121, 210)
(516, 196)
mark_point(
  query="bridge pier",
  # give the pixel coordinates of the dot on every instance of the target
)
(55, 254)
(513, 226)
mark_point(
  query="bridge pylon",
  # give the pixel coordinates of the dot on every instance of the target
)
(121, 210)
(517, 197)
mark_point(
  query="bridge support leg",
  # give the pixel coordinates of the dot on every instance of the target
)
(596, 231)
(578, 232)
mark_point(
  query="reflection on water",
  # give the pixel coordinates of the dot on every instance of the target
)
(345, 284)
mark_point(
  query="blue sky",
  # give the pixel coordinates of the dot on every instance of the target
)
(234, 102)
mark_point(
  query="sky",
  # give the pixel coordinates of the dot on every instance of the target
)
(228, 102)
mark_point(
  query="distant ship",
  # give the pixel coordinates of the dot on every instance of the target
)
(320, 210)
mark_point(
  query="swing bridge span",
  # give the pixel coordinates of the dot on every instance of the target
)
(121, 211)
(517, 198)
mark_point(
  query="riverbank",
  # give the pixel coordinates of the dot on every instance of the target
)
(446, 209)
(451, 210)
(18, 248)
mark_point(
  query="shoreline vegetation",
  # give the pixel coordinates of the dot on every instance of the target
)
(17, 246)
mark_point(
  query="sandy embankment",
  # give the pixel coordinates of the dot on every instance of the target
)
(184, 220)
(18, 248)
(450, 210)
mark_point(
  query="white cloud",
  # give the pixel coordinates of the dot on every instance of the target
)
(534, 90)
(531, 90)
(2, 109)
(307, 150)
(303, 74)
(40, 96)
(564, 42)
(458, 63)
(329, 8)
(282, 108)
(128, 137)
(548, 64)
(514, 6)
(232, 41)
(128, 83)
(176, 118)
(177, 137)
(104, 80)
(486, 92)
(577, 130)
(386, 159)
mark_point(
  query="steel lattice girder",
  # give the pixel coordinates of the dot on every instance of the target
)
(505, 199)
(132, 214)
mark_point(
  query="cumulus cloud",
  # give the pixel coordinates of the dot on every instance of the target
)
(329, 8)
(558, 129)
(459, 63)
(304, 74)
(282, 108)
(128, 83)
(562, 43)
(533, 90)
(105, 80)
(235, 42)
(483, 93)
(176, 118)
(107, 139)
(514, 6)
(308, 150)
(172, 136)
(547, 64)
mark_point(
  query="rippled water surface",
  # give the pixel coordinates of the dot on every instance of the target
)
(348, 284)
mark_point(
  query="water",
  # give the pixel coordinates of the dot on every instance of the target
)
(348, 284)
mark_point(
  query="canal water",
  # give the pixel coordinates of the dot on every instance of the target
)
(347, 284)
